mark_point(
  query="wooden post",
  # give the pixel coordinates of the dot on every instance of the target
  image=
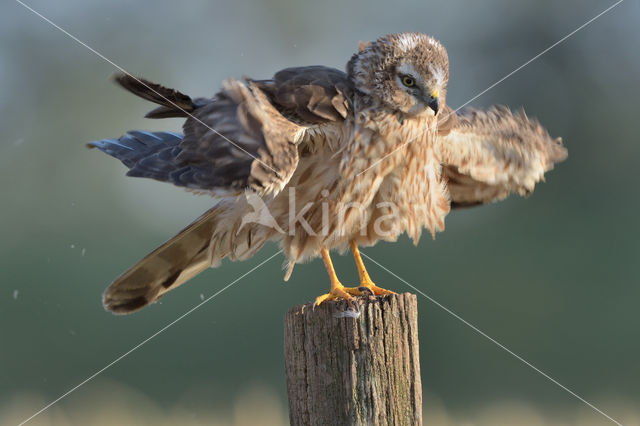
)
(343, 370)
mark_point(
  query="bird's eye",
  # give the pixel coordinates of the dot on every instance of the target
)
(408, 81)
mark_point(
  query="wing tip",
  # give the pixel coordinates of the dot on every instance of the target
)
(121, 302)
(126, 81)
(557, 151)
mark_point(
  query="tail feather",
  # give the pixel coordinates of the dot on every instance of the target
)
(173, 103)
(173, 263)
(146, 154)
(215, 235)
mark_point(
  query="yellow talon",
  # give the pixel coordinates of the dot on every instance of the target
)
(338, 291)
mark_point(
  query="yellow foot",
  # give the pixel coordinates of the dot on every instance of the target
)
(366, 285)
(368, 288)
(338, 291)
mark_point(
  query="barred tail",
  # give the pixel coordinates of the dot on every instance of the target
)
(173, 263)
(216, 234)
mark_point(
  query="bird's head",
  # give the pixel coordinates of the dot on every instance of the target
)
(407, 72)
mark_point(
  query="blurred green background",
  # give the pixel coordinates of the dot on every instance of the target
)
(554, 277)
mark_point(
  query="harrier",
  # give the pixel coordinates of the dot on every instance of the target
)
(319, 159)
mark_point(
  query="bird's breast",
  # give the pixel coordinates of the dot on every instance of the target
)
(414, 184)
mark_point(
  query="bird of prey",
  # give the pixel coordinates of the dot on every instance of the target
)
(319, 159)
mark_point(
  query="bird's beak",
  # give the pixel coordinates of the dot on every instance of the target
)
(434, 102)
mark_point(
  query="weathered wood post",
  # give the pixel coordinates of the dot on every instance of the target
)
(346, 370)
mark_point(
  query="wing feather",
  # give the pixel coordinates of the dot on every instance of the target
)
(246, 136)
(242, 140)
(488, 154)
(310, 95)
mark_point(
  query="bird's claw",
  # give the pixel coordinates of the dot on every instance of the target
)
(348, 293)
(364, 289)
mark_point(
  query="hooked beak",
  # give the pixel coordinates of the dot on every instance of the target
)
(433, 101)
(434, 104)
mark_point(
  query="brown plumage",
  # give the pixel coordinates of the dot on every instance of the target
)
(489, 154)
(317, 159)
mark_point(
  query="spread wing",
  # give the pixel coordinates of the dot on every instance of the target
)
(486, 155)
(244, 137)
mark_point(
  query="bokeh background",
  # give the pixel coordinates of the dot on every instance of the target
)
(554, 277)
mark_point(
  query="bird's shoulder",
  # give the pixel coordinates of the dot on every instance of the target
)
(310, 95)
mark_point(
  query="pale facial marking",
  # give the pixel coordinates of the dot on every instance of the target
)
(408, 69)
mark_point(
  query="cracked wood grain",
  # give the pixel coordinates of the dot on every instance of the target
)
(354, 371)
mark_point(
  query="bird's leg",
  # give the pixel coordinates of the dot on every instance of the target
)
(337, 289)
(366, 285)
